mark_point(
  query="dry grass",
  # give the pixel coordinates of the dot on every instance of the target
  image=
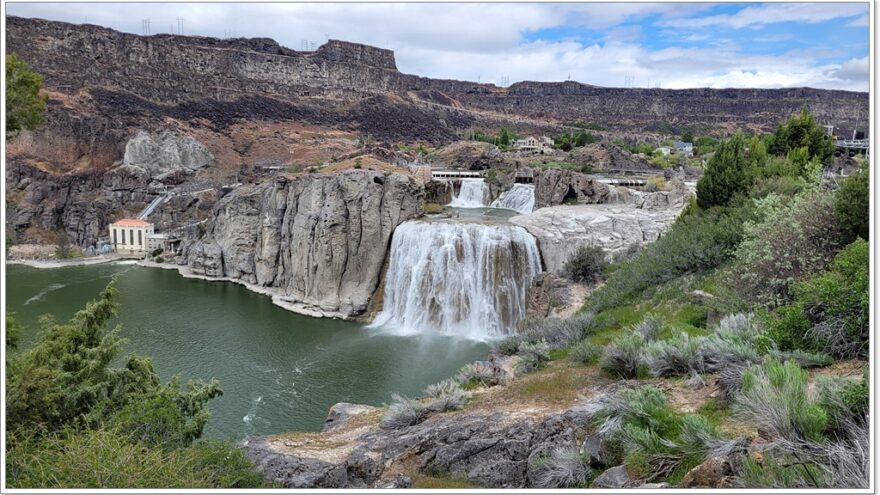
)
(435, 482)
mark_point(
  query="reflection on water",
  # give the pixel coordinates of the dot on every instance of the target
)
(279, 371)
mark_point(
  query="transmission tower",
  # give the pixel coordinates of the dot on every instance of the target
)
(180, 25)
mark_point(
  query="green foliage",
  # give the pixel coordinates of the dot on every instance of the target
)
(13, 332)
(108, 457)
(725, 174)
(696, 242)
(704, 145)
(491, 178)
(831, 310)
(585, 352)
(63, 250)
(623, 356)
(586, 265)
(802, 131)
(433, 208)
(843, 399)
(74, 421)
(24, 103)
(852, 204)
(775, 398)
(533, 356)
(403, 412)
(790, 242)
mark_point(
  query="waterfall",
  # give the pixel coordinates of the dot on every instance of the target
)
(474, 193)
(468, 279)
(521, 197)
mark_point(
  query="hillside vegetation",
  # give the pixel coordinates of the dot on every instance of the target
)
(762, 278)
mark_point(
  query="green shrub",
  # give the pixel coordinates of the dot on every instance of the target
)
(725, 174)
(508, 346)
(533, 356)
(802, 131)
(586, 265)
(478, 373)
(623, 356)
(790, 243)
(679, 355)
(852, 204)
(110, 458)
(563, 467)
(696, 242)
(557, 333)
(843, 399)
(775, 398)
(446, 395)
(585, 352)
(403, 412)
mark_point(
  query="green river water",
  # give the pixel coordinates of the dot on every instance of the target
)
(279, 371)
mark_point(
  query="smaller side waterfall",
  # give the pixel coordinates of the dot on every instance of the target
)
(474, 193)
(521, 197)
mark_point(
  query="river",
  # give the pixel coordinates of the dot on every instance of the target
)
(279, 371)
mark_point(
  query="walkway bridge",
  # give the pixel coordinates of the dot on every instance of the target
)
(854, 144)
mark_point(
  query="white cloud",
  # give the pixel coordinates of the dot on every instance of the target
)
(763, 14)
(487, 41)
(859, 22)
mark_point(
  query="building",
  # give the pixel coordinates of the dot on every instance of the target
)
(129, 236)
(532, 143)
(683, 147)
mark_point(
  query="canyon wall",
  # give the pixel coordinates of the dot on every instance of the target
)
(174, 69)
(317, 240)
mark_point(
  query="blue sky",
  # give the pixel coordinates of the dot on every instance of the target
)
(644, 44)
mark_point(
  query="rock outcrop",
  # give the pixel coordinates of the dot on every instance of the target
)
(556, 186)
(633, 218)
(318, 240)
(166, 154)
(491, 450)
(609, 157)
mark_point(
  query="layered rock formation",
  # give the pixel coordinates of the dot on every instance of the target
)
(627, 217)
(175, 69)
(556, 186)
(166, 153)
(318, 240)
(491, 450)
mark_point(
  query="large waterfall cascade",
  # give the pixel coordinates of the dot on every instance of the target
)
(521, 197)
(467, 279)
(474, 193)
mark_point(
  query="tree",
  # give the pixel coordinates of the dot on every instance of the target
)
(687, 136)
(726, 174)
(802, 130)
(852, 204)
(24, 103)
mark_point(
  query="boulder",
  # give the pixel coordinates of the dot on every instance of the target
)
(556, 186)
(341, 412)
(713, 473)
(615, 477)
(166, 153)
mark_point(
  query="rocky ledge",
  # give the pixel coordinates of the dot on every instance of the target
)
(318, 240)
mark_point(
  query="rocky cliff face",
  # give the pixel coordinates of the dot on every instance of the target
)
(176, 69)
(625, 218)
(166, 154)
(318, 239)
(556, 186)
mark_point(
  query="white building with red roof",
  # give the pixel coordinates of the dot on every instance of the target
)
(129, 236)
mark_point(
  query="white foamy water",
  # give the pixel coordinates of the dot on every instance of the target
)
(40, 295)
(467, 279)
(474, 193)
(521, 197)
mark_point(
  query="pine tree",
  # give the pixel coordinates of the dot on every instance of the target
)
(726, 174)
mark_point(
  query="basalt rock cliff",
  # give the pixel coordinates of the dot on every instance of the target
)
(178, 70)
(318, 241)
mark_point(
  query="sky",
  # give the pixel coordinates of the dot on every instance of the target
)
(667, 45)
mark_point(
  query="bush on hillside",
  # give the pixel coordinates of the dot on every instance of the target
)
(852, 203)
(726, 174)
(802, 131)
(446, 395)
(586, 265)
(696, 242)
(679, 355)
(792, 242)
(831, 310)
(775, 398)
(562, 467)
(623, 356)
(585, 352)
(557, 333)
(403, 412)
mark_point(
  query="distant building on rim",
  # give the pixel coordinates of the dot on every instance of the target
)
(532, 143)
(129, 236)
